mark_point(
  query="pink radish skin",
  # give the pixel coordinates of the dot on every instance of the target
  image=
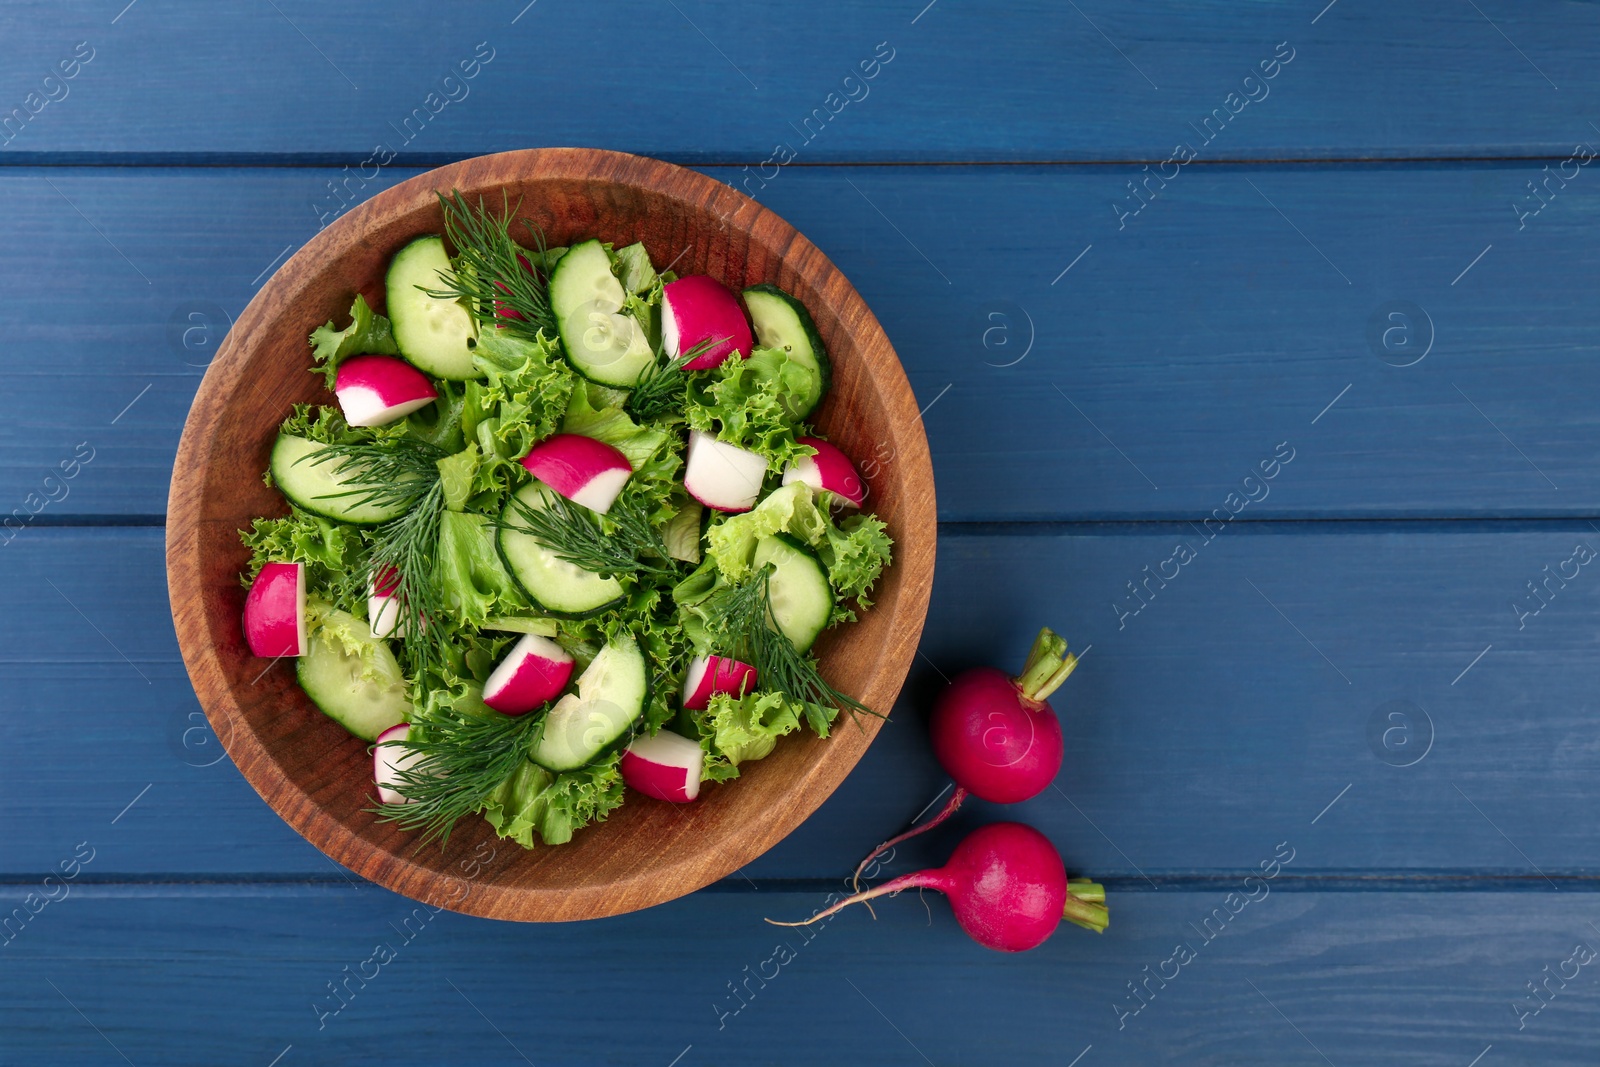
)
(375, 390)
(698, 309)
(389, 758)
(1007, 886)
(534, 672)
(995, 735)
(582, 469)
(503, 310)
(829, 470)
(709, 675)
(665, 766)
(275, 611)
(722, 476)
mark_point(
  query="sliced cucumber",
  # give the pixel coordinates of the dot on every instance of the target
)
(802, 599)
(435, 334)
(352, 676)
(781, 321)
(559, 587)
(318, 487)
(601, 341)
(612, 693)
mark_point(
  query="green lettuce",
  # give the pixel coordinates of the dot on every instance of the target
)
(335, 554)
(592, 413)
(790, 509)
(522, 399)
(555, 806)
(855, 552)
(473, 581)
(368, 332)
(736, 729)
(747, 402)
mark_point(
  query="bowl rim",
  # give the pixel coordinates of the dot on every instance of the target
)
(399, 870)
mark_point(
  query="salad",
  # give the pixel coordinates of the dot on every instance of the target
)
(564, 530)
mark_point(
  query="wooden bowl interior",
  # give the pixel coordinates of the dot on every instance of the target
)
(315, 774)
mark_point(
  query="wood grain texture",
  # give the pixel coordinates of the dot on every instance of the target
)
(1192, 341)
(175, 976)
(317, 776)
(1026, 80)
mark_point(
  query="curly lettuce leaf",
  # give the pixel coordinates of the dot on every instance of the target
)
(472, 581)
(368, 332)
(555, 806)
(516, 807)
(855, 552)
(522, 399)
(335, 554)
(749, 403)
(353, 637)
(790, 509)
(736, 729)
(322, 423)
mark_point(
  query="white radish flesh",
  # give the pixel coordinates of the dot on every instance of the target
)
(389, 758)
(830, 470)
(698, 309)
(374, 390)
(723, 476)
(665, 766)
(533, 672)
(383, 607)
(275, 611)
(582, 469)
(709, 675)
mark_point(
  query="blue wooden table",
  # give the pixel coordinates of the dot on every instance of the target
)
(1335, 745)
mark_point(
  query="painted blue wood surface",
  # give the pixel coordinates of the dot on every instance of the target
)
(699, 81)
(1211, 704)
(1145, 382)
(204, 977)
(1389, 697)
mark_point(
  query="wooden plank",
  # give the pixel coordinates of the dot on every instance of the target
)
(1432, 977)
(706, 82)
(1175, 353)
(1261, 679)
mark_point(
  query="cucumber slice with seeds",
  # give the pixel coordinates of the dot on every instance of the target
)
(802, 599)
(612, 693)
(781, 321)
(436, 335)
(601, 341)
(318, 488)
(559, 587)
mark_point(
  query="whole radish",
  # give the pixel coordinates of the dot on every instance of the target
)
(1007, 886)
(996, 735)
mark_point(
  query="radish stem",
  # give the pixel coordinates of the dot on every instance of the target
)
(1047, 666)
(948, 810)
(1086, 905)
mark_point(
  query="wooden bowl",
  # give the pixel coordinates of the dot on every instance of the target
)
(318, 777)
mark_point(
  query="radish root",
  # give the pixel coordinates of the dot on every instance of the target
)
(948, 810)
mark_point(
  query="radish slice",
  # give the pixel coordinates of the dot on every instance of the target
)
(374, 390)
(275, 611)
(709, 675)
(830, 470)
(722, 476)
(533, 672)
(389, 758)
(665, 766)
(582, 469)
(698, 309)
(383, 607)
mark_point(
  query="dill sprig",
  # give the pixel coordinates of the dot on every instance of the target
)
(404, 553)
(743, 615)
(401, 472)
(660, 390)
(464, 756)
(575, 534)
(493, 273)
(388, 474)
